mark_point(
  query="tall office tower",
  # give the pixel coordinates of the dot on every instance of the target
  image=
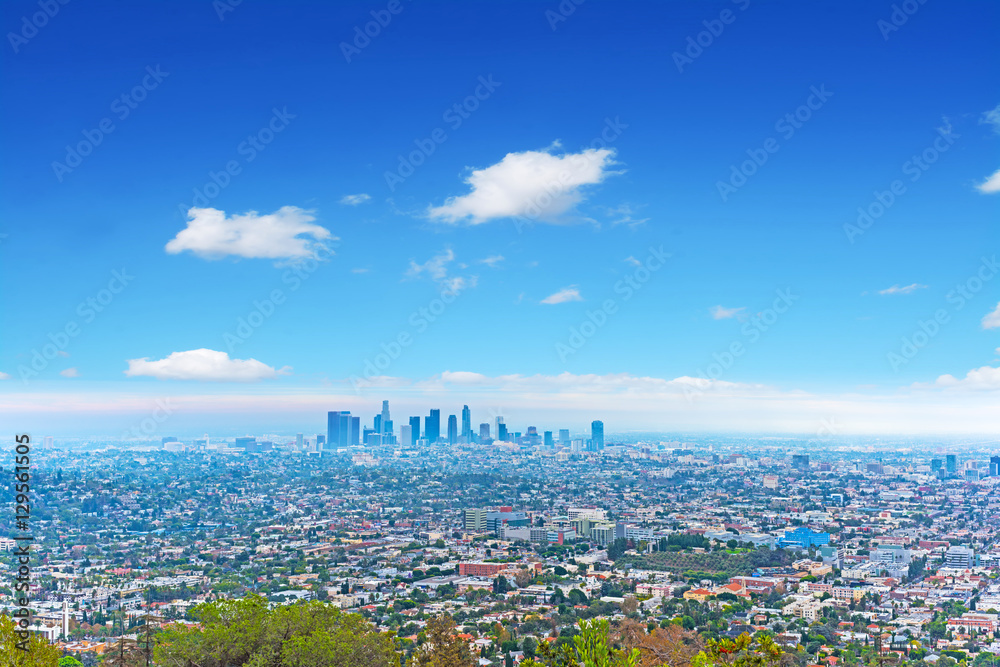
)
(548, 440)
(320, 441)
(935, 465)
(386, 420)
(498, 421)
(484, 431)
(597, 434)
(414, 430)
(432, 426)
(502, 432)
(995, 466)
(345, 439)
(466, 422)
(405, 435)
(950, 463)
(377, 424)
(564, 436)
(452, 430)
(355, 432)
(298, 440)
(800, 461)
(333, 429)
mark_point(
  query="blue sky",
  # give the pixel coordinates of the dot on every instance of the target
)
(586, 147)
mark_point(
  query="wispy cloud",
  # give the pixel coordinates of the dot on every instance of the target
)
(633, 261)
(286, 234)
(565, 295)
(4, 376)
(360, 270)
(534, 184)
(437, 269)
(204, 365)
(906, 289)
(992, 319)
(354, 200)
(991, 117)
(492, 261)
(70, 373)
(624, 215)
(723, 313)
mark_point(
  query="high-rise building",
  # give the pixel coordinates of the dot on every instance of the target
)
(935, 465)
(547, 439)
(484, 432)
(466, 423)
(452, 430)
(995, 466)
(386, 420)
(355, 433)
(405, 435)
(414, 430)
(333, 429)
(597, 434)
(47, 442)
(564, 436)
(432, 426)
(298, 440)
(800, 461)
(950, 462)
(501, 431)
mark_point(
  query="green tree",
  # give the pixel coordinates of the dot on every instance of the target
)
(591, 648)
(39, 652)
(443, 648)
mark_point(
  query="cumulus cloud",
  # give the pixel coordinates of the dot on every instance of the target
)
(437, 269)
(906, 289)
(70, 373)
(991, 185)
(286, 234)
(204, 365)
(723, 313)
(984, 378)
(992, 319)
(354, 200)
(565, 295)
(538, 185)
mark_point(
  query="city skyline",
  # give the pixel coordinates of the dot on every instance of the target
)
(711, 226)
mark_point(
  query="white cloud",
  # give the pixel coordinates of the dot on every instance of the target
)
(204, 365)
(991, 117)
(70, 373)
(359, 270)
(354, 200)
(534, 184)
(492, 261)
(633, 261)
(722, 313)
(282, 235)
(623, 216)
(436, 268)
(566, 294)
(992, 319)
(4, 376)
(991, 185)
(896, 289)
(978, 379)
